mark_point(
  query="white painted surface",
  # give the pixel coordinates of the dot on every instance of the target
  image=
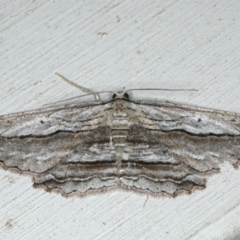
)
(108, 45)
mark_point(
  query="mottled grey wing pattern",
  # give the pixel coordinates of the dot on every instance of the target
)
(64, 149)
(173, 147)
(144, 146)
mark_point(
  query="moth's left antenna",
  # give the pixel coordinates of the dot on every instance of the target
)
(79, 87)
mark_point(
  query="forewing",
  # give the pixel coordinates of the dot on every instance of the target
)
(198, 121)
(173, 148)
(65, 149)
(49, 121)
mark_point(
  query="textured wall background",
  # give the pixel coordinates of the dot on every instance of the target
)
(111, 45)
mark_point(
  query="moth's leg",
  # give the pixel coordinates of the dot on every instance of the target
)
(79, 87)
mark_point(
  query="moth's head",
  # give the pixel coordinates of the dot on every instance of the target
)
(120, 95)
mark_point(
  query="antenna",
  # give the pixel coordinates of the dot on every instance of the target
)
(160, 89)
(79, 97)
(79, 87)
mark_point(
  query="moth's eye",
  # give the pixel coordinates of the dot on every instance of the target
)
(126, 95)
(114, 95)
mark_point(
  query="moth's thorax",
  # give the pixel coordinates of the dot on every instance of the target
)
(120, 123)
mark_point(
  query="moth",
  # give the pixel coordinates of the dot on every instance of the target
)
(144, 146)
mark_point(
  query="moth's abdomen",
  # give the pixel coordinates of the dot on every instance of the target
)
(119, 137)
(120, 125)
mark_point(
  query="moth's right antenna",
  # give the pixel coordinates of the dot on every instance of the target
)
(79, 87)
(159, 89)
